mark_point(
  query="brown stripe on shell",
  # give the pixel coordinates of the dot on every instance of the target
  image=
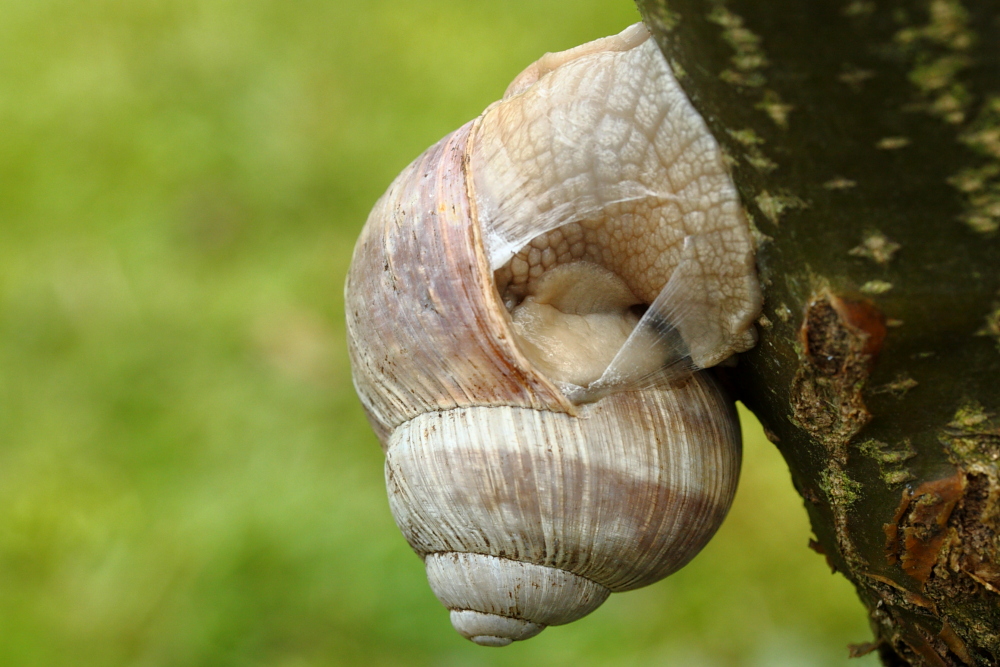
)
(624, 494)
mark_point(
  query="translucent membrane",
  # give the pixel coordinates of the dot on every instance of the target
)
(605, 137)
(657, 350)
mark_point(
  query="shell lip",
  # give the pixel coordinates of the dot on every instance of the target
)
(561, 403)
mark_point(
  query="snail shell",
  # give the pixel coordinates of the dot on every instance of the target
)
(528, 307)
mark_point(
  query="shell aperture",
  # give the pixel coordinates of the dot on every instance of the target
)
(606, 157)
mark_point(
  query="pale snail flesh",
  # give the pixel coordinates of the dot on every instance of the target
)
(528, 308)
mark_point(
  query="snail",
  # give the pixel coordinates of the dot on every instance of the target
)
(530, 306)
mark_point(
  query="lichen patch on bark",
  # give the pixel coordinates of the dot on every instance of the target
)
(876, 287)
(748, 65)
(773, 206)
(840, 183)
(750, 141)
(939, 53)
(973, 437)
(892, 143)
(854, 77)
(877, 247)
(980, 186)
(900, 386)
(939, 49)
(776, 108)
(748, 58)
(890, 459)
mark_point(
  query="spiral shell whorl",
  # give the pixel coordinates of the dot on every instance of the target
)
(503, 599)
(613, 499)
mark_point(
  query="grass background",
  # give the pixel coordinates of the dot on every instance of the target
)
(186, 477)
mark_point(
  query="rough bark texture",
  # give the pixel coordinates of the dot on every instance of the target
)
(865, 140)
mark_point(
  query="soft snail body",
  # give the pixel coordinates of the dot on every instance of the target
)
(528, 307)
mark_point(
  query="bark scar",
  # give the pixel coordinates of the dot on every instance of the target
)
(919, 529)
(840, 340)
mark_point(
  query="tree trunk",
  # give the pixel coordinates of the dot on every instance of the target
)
(865, 139)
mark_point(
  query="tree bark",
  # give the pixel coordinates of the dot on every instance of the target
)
(865, 139)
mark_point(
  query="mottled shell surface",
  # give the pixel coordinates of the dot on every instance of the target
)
(591, 194)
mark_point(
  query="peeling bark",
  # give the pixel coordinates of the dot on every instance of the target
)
(865, 140)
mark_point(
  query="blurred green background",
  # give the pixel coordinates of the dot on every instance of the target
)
(186, 477)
